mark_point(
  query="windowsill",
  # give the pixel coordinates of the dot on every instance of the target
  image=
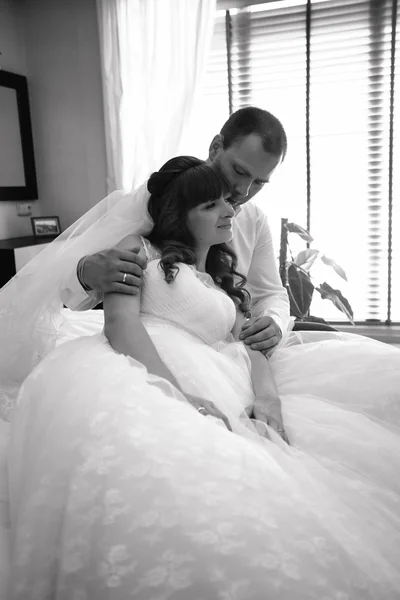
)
(389, 334)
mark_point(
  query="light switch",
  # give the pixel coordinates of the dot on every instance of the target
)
(24, 209)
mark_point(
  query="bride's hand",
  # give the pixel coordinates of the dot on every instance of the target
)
(207, 408)
(270, 412)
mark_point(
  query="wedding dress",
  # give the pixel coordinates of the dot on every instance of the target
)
(120, 489)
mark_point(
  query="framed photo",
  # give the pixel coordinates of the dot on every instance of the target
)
(45, 226)
(17, 165)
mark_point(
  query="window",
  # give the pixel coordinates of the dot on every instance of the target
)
(326, 69)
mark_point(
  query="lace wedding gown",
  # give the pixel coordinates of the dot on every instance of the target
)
(120, 489)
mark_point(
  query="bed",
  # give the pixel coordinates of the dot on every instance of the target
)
(77, 324)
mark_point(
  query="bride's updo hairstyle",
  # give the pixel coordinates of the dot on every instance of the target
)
(181, 184)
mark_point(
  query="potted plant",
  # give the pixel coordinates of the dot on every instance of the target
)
(296, 276)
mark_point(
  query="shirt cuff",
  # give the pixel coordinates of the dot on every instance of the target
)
(75, 297)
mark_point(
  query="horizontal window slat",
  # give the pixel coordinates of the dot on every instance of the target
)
(349, 119)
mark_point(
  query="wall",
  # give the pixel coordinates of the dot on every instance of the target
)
(62, 64)
(64, 69)
(13, 58)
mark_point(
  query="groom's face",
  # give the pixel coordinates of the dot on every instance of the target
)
(245, 163)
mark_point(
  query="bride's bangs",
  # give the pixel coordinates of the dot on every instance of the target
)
(203, 184)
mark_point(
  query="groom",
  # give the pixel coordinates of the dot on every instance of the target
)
(251, 145)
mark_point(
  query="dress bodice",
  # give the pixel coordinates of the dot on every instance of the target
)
(192, 301)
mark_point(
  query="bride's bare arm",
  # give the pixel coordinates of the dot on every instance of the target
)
(124, 328)
(261, 374)
(127, 335)
(267, 404)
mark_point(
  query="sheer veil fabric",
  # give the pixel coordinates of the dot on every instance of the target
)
(153, 56)
(30, 304)
(139, 138)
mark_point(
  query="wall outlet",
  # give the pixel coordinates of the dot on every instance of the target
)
(24, 209)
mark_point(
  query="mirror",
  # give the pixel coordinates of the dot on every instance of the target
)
(17, 161)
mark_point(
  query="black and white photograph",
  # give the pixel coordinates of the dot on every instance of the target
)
(199, 300)
(43, 226)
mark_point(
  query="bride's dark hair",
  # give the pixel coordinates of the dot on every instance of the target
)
(181, 184)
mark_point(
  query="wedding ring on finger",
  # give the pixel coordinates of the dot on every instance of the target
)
(200, 409)
(124, 277)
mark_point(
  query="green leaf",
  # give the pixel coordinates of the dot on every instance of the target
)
(300, 291)
(306, 258)
(337, 268)
(303, 233)
(337, 298)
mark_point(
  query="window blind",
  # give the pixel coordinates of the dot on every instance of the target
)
(268, 57)
(395, 233)
(349, 138)
(347, 101)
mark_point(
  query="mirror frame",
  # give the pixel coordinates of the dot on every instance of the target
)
(29, 191)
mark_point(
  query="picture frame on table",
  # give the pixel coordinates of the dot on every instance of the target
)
(46, 226)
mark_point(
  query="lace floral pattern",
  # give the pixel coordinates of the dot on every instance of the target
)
(120, 489)
(134, 524)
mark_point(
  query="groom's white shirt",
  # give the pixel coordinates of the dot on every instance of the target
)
(256, 260)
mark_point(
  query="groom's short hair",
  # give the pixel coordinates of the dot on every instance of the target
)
(251, 119)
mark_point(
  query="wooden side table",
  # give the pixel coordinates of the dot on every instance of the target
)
(16, 252)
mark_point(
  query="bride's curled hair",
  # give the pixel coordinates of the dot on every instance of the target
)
(181, 184)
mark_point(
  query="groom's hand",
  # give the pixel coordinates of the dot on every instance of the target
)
(261, 333)
(113, 270)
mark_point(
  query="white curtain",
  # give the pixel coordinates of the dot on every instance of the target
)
(153, 56)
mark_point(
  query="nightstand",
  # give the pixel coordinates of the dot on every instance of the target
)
(16, 252)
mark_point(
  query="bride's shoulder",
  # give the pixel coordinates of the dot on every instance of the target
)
(132, 241)
(151, 251)
(146, 249)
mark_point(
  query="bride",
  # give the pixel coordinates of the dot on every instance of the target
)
(136, 472)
